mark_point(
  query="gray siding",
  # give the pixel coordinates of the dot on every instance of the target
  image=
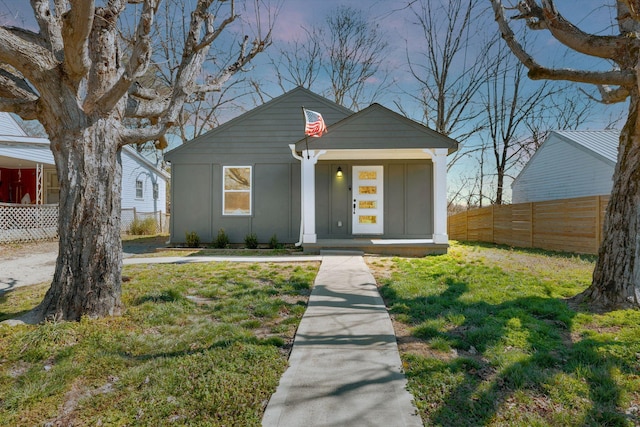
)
(561, 170)
(408, 199)
(197, 202)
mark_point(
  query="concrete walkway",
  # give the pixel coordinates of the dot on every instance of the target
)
(344, 368)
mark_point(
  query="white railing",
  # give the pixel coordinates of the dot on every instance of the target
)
(24, 223)
(27, 223)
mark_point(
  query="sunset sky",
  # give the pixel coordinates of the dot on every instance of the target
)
(397, 22)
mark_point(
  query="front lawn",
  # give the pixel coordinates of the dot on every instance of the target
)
(198, 344)
(487, 338)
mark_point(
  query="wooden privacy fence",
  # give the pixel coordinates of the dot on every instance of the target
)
(569, 225)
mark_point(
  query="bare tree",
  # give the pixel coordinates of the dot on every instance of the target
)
(343, 59)
(450, 66)
(616, 277)
(508, 104)
(78, 80)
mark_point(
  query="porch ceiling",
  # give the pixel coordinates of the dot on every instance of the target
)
(17, 163)
(380, 154)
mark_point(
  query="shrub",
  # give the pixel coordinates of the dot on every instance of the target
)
(274, 243)
(251, 241)
(143, 227)
(192, 239)
(222, 241)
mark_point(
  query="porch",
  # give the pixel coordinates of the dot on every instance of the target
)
(378, 246)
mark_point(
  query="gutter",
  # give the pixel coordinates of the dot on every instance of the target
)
(295, 155)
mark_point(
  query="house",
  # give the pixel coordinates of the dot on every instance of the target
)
(375, 181)
(569, 164)
(28, 175)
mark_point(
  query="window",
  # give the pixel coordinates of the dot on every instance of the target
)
(156, 191)
(236, 190)
(139, 189)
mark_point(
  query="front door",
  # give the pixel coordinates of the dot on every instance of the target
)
(367, 200)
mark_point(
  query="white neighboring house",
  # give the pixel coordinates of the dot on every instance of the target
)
(569, 164)
(28, 174)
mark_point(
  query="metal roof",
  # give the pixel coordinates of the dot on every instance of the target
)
(602, 142)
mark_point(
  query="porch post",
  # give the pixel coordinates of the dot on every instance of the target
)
(439, 158)
(309, 160)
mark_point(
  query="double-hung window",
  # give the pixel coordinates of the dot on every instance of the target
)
(236, 190)
(139, 189)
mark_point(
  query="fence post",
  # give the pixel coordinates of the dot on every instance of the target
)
(531, 233)
(598, 223)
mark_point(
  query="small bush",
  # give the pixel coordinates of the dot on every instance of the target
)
(251, 241)
(143, 227)
(274, 243)
(222, 241)
(192, 239)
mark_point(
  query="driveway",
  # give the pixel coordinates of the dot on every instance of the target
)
(32, 263)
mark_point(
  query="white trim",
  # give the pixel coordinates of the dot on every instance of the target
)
(309, 160)
(439, 158)
(250, 191)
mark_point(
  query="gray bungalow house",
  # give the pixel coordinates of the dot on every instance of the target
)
(376, 181)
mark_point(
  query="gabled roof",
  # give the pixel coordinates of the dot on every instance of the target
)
(377, 127)
(8, 126)
(602, 144)
(278, 121)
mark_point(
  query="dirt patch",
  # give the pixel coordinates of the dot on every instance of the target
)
(11, 251)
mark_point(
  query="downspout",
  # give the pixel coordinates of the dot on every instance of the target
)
(292, 147)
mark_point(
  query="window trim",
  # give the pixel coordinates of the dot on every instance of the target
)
(156, 191)
(250, 191)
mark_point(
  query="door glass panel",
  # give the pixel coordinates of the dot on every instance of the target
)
(367, 175)
(367, 219)
(367, 189)
(367, 204)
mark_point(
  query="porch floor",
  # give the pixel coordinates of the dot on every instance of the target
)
(399, 247)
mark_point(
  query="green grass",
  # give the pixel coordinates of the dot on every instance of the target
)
(198, 344)
(501, 346)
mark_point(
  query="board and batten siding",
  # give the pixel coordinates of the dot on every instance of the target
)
(133, 170)
(561, 170)
(408, 198)
(197, 201)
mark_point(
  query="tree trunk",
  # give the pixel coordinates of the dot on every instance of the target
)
(616, 277)
(87, 280)
(500, 186)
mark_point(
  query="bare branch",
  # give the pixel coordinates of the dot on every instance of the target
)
(136, 66)
(28, 58)
(50, 28)
(76, 27)
(140, 135)
(215, 85)
(25, 109)
(538, 72)
(548, 18)
(144, 109)
(12, 86)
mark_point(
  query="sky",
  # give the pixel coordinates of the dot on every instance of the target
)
(396, 21)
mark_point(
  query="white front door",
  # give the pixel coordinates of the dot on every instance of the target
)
(367, 200)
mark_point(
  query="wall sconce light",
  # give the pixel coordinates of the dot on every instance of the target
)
(339, 172)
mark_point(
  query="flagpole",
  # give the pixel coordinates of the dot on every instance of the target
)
(306, 137)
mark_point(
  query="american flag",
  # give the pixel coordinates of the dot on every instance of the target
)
(314, 124)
